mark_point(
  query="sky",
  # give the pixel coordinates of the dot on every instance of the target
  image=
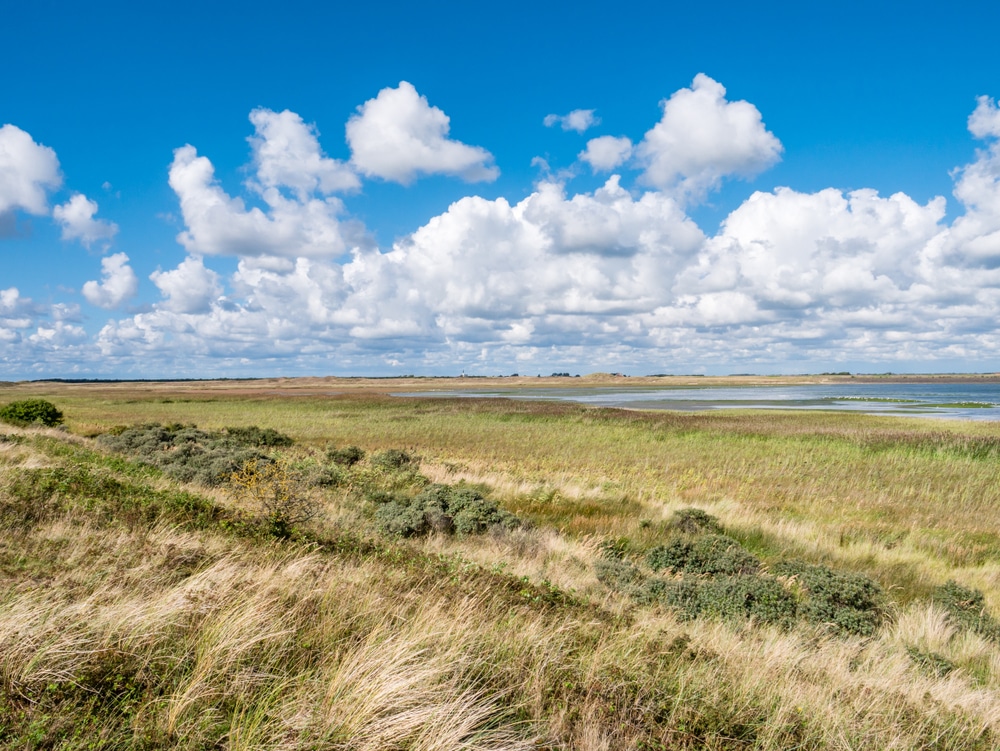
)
(245, 189)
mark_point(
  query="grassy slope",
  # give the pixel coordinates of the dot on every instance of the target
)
(163, 625)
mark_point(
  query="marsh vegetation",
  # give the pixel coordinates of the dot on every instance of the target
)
(189, 566)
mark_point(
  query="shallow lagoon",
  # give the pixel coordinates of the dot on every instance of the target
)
(966, 401)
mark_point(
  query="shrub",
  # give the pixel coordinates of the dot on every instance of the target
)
(850, 603)
(347, 456)
(473, 514)
(694, 521)
(31, 411)
(683, 595)
(617, 574)
(708, 554)
(967, 608)
(673, 556)
(188, 454)
(932, 663)
(738, 597)
(441, 508)
(718, 554)
(275, 493)
(393, 459)
(402, 519)
(259, 437)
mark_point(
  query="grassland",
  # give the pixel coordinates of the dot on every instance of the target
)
(142, 613)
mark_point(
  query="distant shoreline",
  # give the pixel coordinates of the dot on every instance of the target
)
(476, 381)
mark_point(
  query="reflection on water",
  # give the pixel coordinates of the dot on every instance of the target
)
(967, 401)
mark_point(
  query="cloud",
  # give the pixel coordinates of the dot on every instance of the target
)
(613, 279)
(218, 224)
(398, 136)
(286, 153)
(483, 273)
(578, 120)
(703, 138)
(28, 171)
(605, 153)
(118, 283)
(984, 122)
(38, 338)
(190, 288)
(77, 219)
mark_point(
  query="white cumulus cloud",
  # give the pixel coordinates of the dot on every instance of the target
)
(190, 288)
(398, 136)
(28, 170)
(702, 138)
(613, 279)
(605, 153)
(286, 153)
(578, 120)
(118, 283)
(219, 224)
(77, 219)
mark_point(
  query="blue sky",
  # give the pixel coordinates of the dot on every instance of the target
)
(724, 188)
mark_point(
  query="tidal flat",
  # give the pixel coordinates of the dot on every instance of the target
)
(142, 611)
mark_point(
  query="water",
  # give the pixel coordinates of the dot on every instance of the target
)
(965, 401)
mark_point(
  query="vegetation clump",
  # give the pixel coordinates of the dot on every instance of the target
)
(712, 575)
(188, 454)
(709, 554)
(347, 456)
(695, 521)
(847, 602)
(276, 493)
(31, 412)
(967, 609)
(393, 459)
(441, 508)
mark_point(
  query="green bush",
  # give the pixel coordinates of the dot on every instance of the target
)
(673, 556)
(967, 609)
(718, 554)
(31, 412)
(188, 454)
(708, 554)
(931, 663)
(347, 456)
(849, 603)
(694, 521)
(258, 437)
(393, 459)
(738, 597)
(440, 508)
(617, 574)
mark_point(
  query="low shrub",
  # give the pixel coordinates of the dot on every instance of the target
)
(258, 437)
(31, 412)
(619, 575)
(188, 454)
(758, 597)
(673, 556)
(441, 508)
(393, 459)
(967, 608)
(694, 521)
(276, 493)
(709, 554)
(347, 456)
(931, 663)
(849, 603)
